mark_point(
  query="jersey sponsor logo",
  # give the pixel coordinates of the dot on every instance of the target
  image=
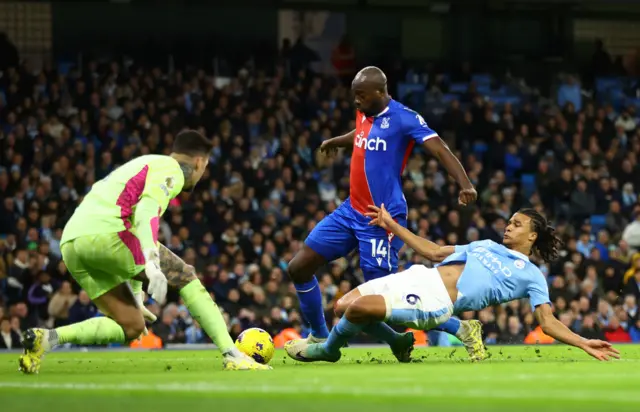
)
(491, 261)
(519, 264)
(372, 145)
(385, 123)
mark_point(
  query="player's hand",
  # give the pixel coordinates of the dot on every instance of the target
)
(600, 349)
(328, 149)
(157, 280)
(146, 313)
(467, 196)
(380, 217)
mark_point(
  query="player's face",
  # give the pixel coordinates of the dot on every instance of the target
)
(367, 99)
(201, 166)
(518, 231)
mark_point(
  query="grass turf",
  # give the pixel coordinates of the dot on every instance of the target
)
(517, 378)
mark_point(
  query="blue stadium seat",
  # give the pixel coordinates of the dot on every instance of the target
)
(481, 79)
(484, 89)
(405, 89)
(528, 182)
(502, 100)
(479, 149)
(449, 97)
(605, 83)
(64, 67)
(633, 102)
(598, 222)
(458, 87)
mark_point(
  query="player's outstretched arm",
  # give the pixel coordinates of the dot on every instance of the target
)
(424, 247)
(450, 162)
(599, 349)
(346, 140)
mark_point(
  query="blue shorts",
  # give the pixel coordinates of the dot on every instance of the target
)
(345, 229)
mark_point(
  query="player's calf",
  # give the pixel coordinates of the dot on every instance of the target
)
(202, 307)
(301, 271)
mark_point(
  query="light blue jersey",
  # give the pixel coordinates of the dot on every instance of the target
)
(494, 274)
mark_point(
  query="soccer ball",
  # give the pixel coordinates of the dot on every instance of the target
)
(257, 344)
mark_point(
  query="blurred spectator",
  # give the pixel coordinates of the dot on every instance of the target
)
(513, 333)
(9, 339)
(60, 304)
(615, 333)
(8, 53)
(194, 333)
(167, 329)
(589, 329)
(82, 309)
(570, 92)
(631, 233)
(266, 188)
(39, 294)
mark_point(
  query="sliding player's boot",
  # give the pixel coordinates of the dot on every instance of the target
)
(238, 361)
(403, 346)
(36, 342)
(301, 351)
(470, 334)
(312, 339)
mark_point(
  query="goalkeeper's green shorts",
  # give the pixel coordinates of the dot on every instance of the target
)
(99, 263)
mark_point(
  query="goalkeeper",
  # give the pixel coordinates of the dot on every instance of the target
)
(110, 246)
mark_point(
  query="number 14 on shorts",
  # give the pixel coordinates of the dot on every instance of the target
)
(378, 250)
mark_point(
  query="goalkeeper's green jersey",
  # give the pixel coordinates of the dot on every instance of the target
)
(129, 201)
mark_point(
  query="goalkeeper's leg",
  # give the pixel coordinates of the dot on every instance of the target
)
(203, 309)
(124, 324)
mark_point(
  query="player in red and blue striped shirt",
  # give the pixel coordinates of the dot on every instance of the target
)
(386, 132)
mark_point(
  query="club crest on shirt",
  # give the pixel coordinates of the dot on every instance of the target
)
(519, 264)
(167, 186)
(385, 123)
(169, 182)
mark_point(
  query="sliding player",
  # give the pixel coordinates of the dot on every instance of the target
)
(470, 277)
(111, 239)
(386, 132)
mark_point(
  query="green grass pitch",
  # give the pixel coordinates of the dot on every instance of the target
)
(542, 379)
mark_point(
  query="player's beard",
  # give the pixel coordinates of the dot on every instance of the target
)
(376, 108)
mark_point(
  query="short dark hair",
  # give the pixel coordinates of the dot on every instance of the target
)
(547, 244)
(192, 143)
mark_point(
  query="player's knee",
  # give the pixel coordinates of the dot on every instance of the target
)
(298, 269)
(133, 328)
(359, 310)
(340, 307)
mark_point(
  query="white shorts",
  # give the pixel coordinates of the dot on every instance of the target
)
(416, 298)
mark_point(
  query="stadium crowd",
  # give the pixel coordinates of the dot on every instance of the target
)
(267, 187)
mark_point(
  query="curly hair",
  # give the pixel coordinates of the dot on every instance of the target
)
(547, 245)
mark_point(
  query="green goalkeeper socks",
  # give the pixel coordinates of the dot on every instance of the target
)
(206, 312)
(94, 331)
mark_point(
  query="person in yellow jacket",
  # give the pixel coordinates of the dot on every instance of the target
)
(635, 266)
